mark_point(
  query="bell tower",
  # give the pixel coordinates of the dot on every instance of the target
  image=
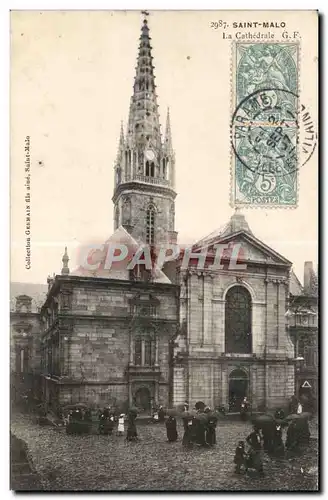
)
(144, 185)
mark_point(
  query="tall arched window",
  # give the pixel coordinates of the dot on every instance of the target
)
(150, 225)
(238, 320)
(117, 217)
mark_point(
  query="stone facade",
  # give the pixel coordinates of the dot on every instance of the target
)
(206, 368)
(25, 355)
(112, 336)
(302, 317)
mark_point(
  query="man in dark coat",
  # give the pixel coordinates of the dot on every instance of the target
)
(161, 414)
(104, 422)
(244, 409)
(171, 429)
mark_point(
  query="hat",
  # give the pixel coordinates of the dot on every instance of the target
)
(122, 415)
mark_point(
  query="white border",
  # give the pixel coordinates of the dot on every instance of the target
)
(5, 6)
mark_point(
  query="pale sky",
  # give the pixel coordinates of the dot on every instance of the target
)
(71, 81)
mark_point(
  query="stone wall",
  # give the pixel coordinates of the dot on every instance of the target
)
(164, 213)
(97, 327)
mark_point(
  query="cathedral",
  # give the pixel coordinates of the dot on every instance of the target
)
(121, 337)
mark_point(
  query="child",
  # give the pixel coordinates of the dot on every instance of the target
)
(120, 427)
(240, 455)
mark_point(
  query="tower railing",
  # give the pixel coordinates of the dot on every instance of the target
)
(152, 180)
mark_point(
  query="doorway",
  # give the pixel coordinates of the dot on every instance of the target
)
(238, 389)
(143, 399)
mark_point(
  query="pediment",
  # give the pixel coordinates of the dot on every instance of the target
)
(250, 249)
(119, 270)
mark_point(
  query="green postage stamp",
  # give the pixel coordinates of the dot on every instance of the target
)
(264, 124)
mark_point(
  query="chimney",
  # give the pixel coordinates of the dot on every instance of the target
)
(308, 273)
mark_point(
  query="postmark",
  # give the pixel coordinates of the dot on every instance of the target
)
(265, 125)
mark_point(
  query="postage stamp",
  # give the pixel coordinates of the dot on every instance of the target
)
(265, 124)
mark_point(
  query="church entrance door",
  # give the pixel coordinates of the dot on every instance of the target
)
(238, 389)
(143, 399)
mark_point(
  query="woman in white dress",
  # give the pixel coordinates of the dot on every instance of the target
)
(120, 428)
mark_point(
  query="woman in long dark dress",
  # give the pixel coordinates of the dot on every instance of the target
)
(132, 429)
(78, 421)
(278, 445)
(161, 414)
(200, 429)
(87, 421)
(244, 409)
(292, 440)
(268, 429)
(171, 429)
(210, 435)
(188, 432)
(254, 460)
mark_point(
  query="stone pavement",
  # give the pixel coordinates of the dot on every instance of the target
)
(23, 477)
(93, 462)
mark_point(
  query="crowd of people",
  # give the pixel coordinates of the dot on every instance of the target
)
(79, 421)
(267, 436)
(199, 429)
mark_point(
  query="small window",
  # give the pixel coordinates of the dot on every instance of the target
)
(148, 352)
(137, 352)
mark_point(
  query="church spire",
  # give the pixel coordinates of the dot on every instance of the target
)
(145, 167)
(143, 125)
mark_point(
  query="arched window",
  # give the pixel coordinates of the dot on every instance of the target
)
(238, 321)
(144, 350)
(147, 169)
(164, 168)
(150, 225)
(137, 352)
(152, 169)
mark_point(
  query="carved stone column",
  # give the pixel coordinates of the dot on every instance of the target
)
(131, 349)
(156, 352)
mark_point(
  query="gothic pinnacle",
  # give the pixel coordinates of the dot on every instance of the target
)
(65, 259)
(168, 134)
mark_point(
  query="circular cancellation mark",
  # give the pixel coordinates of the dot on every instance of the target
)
(270, 133)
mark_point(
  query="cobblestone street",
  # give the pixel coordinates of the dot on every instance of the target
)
(93, 462)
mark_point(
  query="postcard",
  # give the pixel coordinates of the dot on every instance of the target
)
(164, 241)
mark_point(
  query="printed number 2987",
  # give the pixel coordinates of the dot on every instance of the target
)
(218, 24)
